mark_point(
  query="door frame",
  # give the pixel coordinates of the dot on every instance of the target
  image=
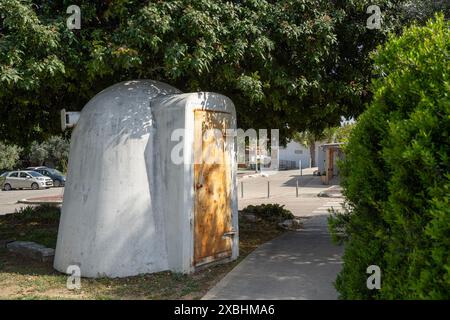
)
(228, 254)
(184, 259)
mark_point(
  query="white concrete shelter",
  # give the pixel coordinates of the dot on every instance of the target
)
(138, 199)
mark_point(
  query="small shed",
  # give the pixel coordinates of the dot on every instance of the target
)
(328, 156)
(142, 195)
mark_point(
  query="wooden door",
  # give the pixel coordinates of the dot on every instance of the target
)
(212, 185)
(330, 164)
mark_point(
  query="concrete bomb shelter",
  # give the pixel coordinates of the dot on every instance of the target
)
(130, 205)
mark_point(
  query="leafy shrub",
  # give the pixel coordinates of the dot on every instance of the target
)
(343, 132)
(396, 173)
(38, 153)
(9, 156)
(43, 214)
(270, 212)
(58, 148)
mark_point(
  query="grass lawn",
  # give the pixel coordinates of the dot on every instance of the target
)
(23, 278)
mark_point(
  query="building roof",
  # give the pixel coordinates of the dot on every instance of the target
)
(331, 145)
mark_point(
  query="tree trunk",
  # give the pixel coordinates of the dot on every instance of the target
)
(312, 153)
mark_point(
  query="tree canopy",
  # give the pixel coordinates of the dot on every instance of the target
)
(293, 64)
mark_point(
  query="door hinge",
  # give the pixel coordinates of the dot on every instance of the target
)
(229, 234)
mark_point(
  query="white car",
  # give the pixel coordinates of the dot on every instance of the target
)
(25, 179)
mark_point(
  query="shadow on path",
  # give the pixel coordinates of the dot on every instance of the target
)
(297, 265)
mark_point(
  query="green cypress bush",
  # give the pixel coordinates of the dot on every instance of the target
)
(396, 175)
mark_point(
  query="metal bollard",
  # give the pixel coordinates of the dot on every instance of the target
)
(268, 188)
(296, 188)
(242, 189)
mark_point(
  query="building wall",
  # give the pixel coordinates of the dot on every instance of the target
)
(321, 158)
(172, 112)
(109, 225)
(294, 151)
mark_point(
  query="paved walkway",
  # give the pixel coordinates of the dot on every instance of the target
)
(282, 190)
(297, 265)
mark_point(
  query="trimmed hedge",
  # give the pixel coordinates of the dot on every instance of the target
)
(396, 175)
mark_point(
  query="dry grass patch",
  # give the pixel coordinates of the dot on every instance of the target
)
(22, 278)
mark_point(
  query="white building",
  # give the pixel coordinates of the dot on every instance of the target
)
(289, 157)
(329, 155)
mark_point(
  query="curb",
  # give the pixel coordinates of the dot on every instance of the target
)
(328, 193)
(27, 201)
(31, 250)
(250, 176)
(259, 174)
(4, 243)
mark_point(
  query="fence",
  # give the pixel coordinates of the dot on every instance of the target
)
(287, 165)
(297, 185)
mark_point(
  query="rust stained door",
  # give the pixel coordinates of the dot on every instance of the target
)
(330, 168)
(212, 184)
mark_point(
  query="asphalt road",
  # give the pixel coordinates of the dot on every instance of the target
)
(8, 199)
(282, 190)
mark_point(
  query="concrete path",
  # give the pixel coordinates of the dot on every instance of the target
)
(282, 187)
(297, 265)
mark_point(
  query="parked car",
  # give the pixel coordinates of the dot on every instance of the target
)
(59, 180)
(25, 179)
(2, 178)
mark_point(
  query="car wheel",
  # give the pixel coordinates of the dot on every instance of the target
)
(7, 187)
(57, 183)
(34, 186)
